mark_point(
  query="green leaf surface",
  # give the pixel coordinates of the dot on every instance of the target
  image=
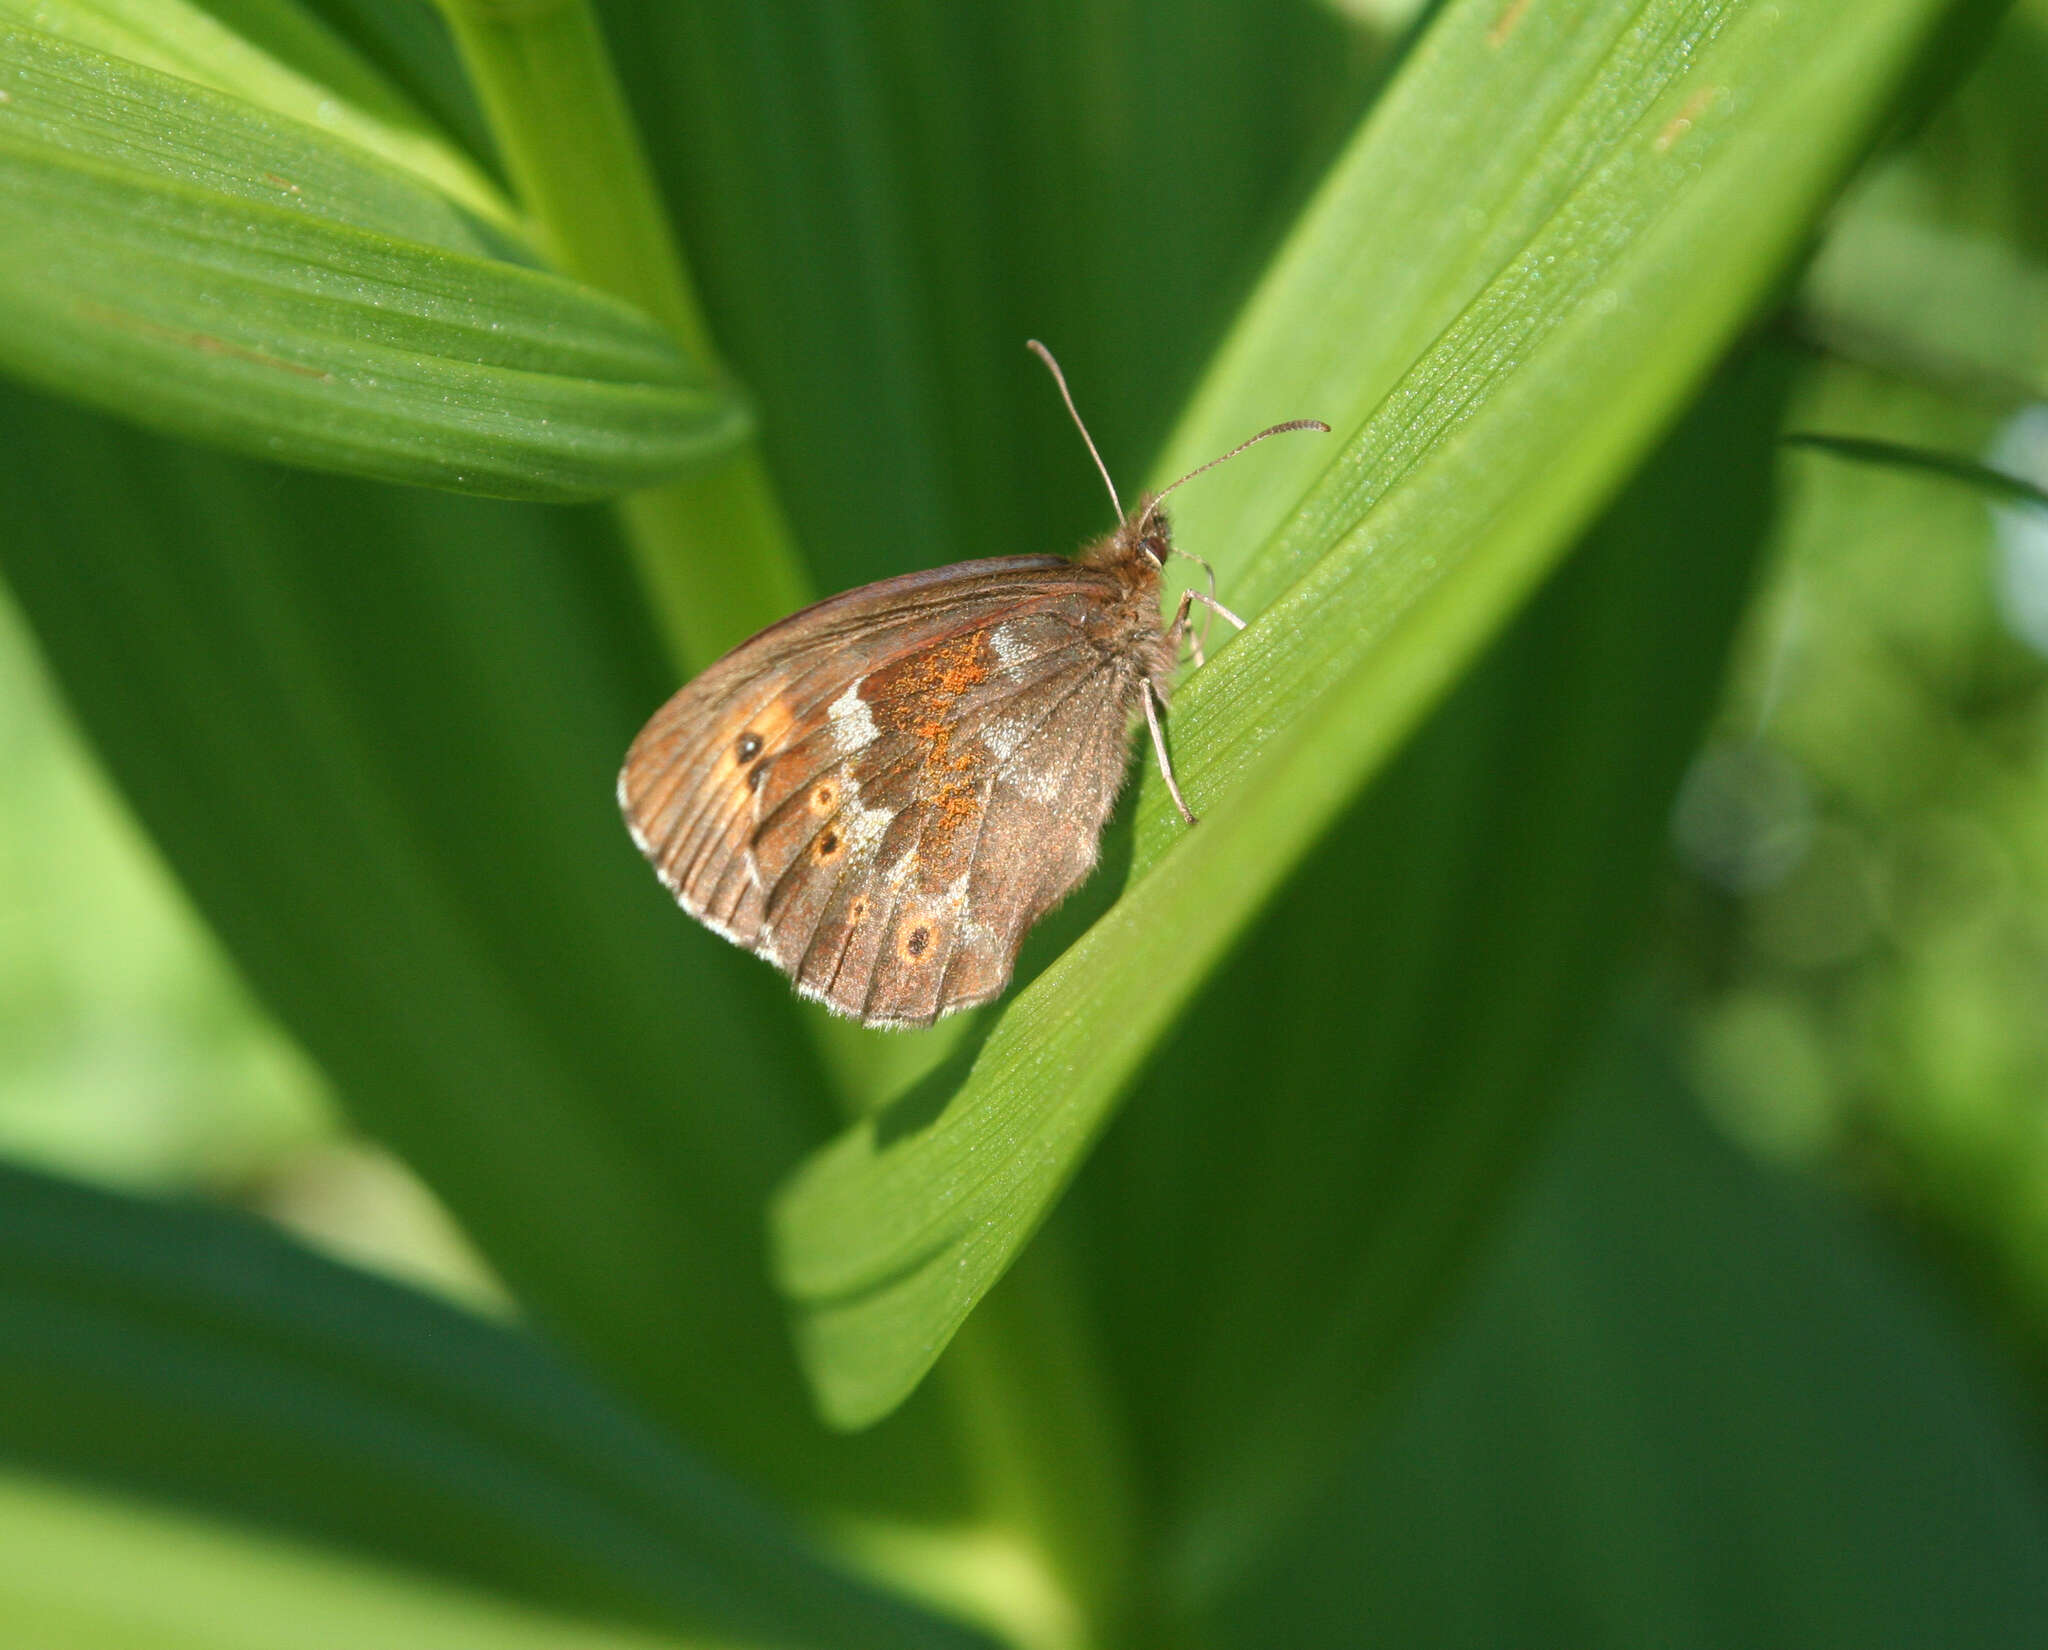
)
(164, 257)
(1688, 1403)
(197, 1356)
(286, 61)
(1642, 219)
(881, 205)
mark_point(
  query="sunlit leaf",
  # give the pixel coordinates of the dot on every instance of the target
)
(1636, 224)
(286, 61)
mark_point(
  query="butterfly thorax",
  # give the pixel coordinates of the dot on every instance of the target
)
(1130, 627)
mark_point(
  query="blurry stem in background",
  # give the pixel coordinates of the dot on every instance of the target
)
(712, 549)
(1894, 455)
(715, 557)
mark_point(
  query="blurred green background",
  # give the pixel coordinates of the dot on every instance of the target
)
(1600, 1198)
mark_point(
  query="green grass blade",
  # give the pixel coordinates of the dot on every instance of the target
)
(237, 313)
(86, 106)
(198, 1357)
(1407, 1012)
(1705, 140)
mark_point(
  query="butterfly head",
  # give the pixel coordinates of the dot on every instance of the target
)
(1138, 549)
(1150, 532)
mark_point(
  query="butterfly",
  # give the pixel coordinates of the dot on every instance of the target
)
(882, 793)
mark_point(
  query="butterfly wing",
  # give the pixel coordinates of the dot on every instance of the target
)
(882, 793)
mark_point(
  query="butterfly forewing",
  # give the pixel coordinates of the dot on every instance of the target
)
(882, 793)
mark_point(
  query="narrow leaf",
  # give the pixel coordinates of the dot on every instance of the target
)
(284, 333)
(1409, 1009)
(88, 106)
(1896, 455)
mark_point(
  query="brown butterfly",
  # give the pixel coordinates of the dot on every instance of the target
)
(882, 793)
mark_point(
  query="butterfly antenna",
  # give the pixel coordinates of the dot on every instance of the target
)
(1060, 378)
(1277, 429)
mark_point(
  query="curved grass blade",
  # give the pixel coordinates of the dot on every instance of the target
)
(289, 333)
(1621, 273)
(85, 105)
(285, 61)
(195, 1356)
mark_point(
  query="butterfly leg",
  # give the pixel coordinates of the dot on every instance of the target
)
(1159, 746)
(1178, 631)
(1216, 607)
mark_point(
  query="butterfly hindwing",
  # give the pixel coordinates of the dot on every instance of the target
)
(880, 794)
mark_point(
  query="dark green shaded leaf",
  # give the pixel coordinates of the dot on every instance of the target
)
(1689, 1405)
(375, 731)
(882, 203)
(197, 1356)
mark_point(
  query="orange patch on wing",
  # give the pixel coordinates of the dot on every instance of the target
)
(918, 697)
